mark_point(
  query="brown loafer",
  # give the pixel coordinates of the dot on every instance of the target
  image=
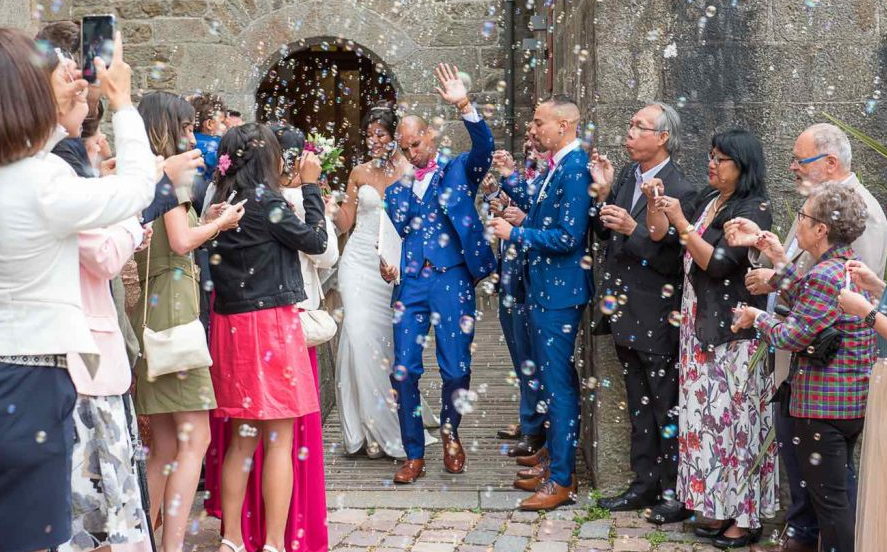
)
(531, 484)
(454, 454)
(549, 496)
(410, 471)
(535, 471)
(533, 459)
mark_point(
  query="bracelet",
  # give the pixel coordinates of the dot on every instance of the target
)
(465, 102)
(218, 231)
(871, 318)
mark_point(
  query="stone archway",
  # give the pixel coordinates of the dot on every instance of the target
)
(325, 85)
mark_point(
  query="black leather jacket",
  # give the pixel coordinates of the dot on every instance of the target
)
(722, 285)
(257, 266)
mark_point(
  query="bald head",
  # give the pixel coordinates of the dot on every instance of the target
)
(416, 140)
(414, 122)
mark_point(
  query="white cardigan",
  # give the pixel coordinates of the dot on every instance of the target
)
(311, 263)
(44, 206)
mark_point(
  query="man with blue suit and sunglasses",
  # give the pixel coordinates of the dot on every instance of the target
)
(554, 238)
(445, 253)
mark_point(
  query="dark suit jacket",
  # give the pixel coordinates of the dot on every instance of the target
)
(722, 285)
(640, 268)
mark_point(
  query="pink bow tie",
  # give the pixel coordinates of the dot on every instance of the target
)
(421, 173)
(551, 162)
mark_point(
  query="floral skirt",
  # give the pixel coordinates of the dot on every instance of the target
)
(107, 501)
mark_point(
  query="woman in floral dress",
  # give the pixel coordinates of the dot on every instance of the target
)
(725, 414)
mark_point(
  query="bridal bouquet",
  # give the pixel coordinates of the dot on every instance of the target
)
(327, 150)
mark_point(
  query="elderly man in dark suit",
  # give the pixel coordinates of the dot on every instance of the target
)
(644, 277)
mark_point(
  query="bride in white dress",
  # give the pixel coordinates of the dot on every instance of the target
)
(366, 403)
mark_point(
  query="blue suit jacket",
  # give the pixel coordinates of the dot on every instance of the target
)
(448, 209)
(554, 235)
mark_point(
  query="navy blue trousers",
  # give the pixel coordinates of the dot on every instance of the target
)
(553, 333)
(446, 299)
(516, 329)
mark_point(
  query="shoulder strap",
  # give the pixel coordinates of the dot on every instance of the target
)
(148, 279)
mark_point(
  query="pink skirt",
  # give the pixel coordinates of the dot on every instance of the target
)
(261, 369)
(306, 527)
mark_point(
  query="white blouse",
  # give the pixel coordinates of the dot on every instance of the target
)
(44, 207)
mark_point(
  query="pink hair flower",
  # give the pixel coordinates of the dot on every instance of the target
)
(224, 163)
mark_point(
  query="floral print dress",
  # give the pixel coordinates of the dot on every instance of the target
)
(724, 419)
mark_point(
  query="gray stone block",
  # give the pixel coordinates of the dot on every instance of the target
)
(509, 543)
(481, 537)
(598, 529)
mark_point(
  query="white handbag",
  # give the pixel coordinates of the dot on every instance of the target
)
(318, 327)
(177, 349)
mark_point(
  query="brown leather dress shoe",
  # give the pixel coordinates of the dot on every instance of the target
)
(532, 484)
(410, 471)
(549, 496)
(454, 454)
(535, 471)
(532, 460)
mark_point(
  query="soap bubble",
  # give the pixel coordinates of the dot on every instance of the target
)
(608, 304)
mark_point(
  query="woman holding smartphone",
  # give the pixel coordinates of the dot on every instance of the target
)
(176, 404)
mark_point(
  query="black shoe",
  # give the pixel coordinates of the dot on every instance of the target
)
(527, 446)
(712, 532)
(724, 543)
(668, 511)
(510, 432)
(626, 502)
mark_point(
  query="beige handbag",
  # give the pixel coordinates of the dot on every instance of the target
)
(318, 327)
(177, 349)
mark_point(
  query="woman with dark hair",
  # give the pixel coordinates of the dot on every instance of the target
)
(725, 413)
(366, 345)
(176, 404)
(43, 323)
(306, 529)
(261, 371)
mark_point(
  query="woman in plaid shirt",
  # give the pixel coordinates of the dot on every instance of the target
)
(828, 401)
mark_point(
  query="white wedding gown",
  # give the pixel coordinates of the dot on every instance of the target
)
(367, 406)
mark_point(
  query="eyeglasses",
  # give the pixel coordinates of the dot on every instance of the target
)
(802, 215)
(636, 128)
(799, 162)
(712, 158)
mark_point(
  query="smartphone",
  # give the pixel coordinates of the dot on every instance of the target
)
(96, 40)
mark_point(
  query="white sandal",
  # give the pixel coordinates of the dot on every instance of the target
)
(269, 548)
(232, 546)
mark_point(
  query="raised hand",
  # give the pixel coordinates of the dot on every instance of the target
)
(68, 86)
(452, 90)
(115, 81)
(182, 168)
(741, 232)
(864, 277)
(602, 172)
(768, 243)
(671, 207)
(503, 163)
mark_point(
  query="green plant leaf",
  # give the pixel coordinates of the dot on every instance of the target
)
(858, 134)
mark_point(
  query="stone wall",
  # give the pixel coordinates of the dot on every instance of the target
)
(768, 65)
(226, 46)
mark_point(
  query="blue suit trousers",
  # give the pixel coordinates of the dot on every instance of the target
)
(445, 299)
(516, 329)
(553, 334)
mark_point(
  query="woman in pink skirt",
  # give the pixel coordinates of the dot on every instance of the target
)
(261, 371)
(306, 529)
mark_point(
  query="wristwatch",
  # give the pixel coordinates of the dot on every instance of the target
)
(871, 317)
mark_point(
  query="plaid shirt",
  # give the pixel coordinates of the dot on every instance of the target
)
(839, 390)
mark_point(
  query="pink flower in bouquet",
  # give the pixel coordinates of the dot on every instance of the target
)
(311, 147)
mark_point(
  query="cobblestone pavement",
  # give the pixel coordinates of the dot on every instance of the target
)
(416, 530)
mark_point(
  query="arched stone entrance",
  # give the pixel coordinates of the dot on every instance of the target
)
(326, 86)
